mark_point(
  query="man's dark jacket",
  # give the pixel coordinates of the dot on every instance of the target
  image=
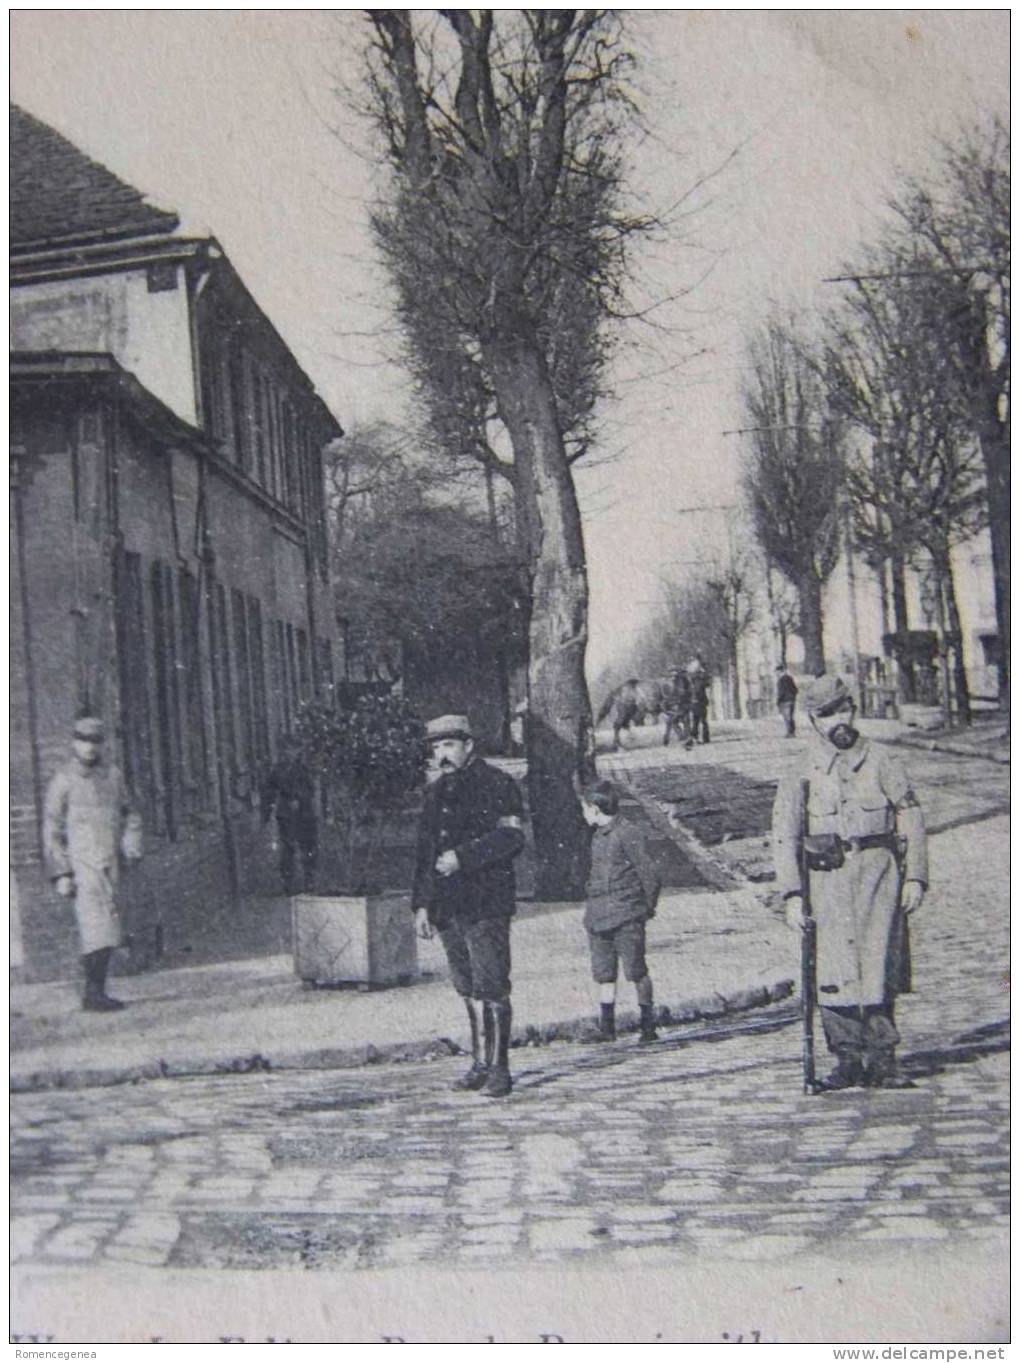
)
(786, 690)
(466, 812)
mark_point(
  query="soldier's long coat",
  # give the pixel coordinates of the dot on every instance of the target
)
(89, 820)
(863, 957)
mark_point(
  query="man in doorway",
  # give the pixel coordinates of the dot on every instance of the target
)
(89, 824)
(863, 840)
(290, 791)
(786, 698)
(471, 829)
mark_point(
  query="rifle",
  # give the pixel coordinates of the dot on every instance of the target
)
(808, 951)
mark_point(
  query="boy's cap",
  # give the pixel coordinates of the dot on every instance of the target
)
(89, 727)
(448, 726)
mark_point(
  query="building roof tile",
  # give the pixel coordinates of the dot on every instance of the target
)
(58, 194)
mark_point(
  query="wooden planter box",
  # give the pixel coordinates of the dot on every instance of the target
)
(354, 939)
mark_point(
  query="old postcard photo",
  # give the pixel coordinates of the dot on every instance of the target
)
(509, 676)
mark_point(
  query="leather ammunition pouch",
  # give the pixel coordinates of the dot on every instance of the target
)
(823, 851)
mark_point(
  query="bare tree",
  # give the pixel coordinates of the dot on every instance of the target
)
(729, 589)
(917, 482)
(957, 228)
(793, 475)
(505, 238)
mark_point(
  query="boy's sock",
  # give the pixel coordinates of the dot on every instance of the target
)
(607, 1021)
(648, 1032)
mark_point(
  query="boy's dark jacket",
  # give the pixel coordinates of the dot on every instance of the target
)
(469, 812)
(623, 883)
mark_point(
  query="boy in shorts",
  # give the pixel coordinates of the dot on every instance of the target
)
(623, 889)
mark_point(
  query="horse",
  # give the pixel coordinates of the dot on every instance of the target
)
(632, 701)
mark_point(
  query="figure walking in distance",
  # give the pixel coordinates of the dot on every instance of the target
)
(623, 889)
(89, 824)
(290, 791)
(786, 698)
(865, 850)
(698, 683)
(471, 829)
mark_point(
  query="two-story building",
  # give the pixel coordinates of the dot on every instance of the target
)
(168, 540)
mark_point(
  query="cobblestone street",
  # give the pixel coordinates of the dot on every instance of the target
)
(700, 1147)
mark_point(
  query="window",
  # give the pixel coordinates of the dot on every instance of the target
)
(278, 661)
(193, 700)
(242, 677)
(134, 683)
(223, 689)
(260, 711)
(164, 640)
(304, 675)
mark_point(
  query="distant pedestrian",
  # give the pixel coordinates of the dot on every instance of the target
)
(471, 828)
(89, 824)
(677, 705)
(863, 839)
(623, 889)
(289, 791)
(699, 683)
(786, 698)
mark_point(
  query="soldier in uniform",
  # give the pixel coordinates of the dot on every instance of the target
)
(290, 791)
(89, 823)
(470, 831)
(867, 860)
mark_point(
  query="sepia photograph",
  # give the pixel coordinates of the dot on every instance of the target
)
(509, 663)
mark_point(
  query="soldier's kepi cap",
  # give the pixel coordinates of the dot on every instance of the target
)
(89, 727)
(825, 695)
(448, 726)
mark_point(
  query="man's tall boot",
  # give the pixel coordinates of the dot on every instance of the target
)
(498, 1084)
(96, 999)
(880, 1071)
(479, 1071)
(848, 1074)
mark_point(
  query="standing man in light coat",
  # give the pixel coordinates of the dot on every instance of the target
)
(866, 853)
(89, 823)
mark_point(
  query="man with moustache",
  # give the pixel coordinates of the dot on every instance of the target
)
(89, 825)
(865, 849)
(471, 829)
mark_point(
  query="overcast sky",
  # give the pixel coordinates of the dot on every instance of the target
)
(231, 119)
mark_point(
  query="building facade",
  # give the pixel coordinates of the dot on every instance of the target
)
(168, 541)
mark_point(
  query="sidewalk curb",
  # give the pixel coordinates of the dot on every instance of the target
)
(933, 745)
(354, 1057)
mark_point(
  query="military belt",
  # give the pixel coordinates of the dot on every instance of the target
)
(869, 840)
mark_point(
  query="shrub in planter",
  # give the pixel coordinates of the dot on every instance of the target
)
(370, 759)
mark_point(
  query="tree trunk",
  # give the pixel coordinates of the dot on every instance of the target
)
(560, 735)
(901, 624)
(947, 585)
(735, 681)
(809, 596)
(995, 453)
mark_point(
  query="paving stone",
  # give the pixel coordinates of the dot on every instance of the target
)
(567, 1233)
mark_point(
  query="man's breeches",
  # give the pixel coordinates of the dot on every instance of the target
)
(479, 957)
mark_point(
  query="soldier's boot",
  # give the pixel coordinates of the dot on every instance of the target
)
(880, 1070)
(848, 1074)
(479, 1071)
(648, 1033)
(605, 1028)
(95, 998)
(498, 1084)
